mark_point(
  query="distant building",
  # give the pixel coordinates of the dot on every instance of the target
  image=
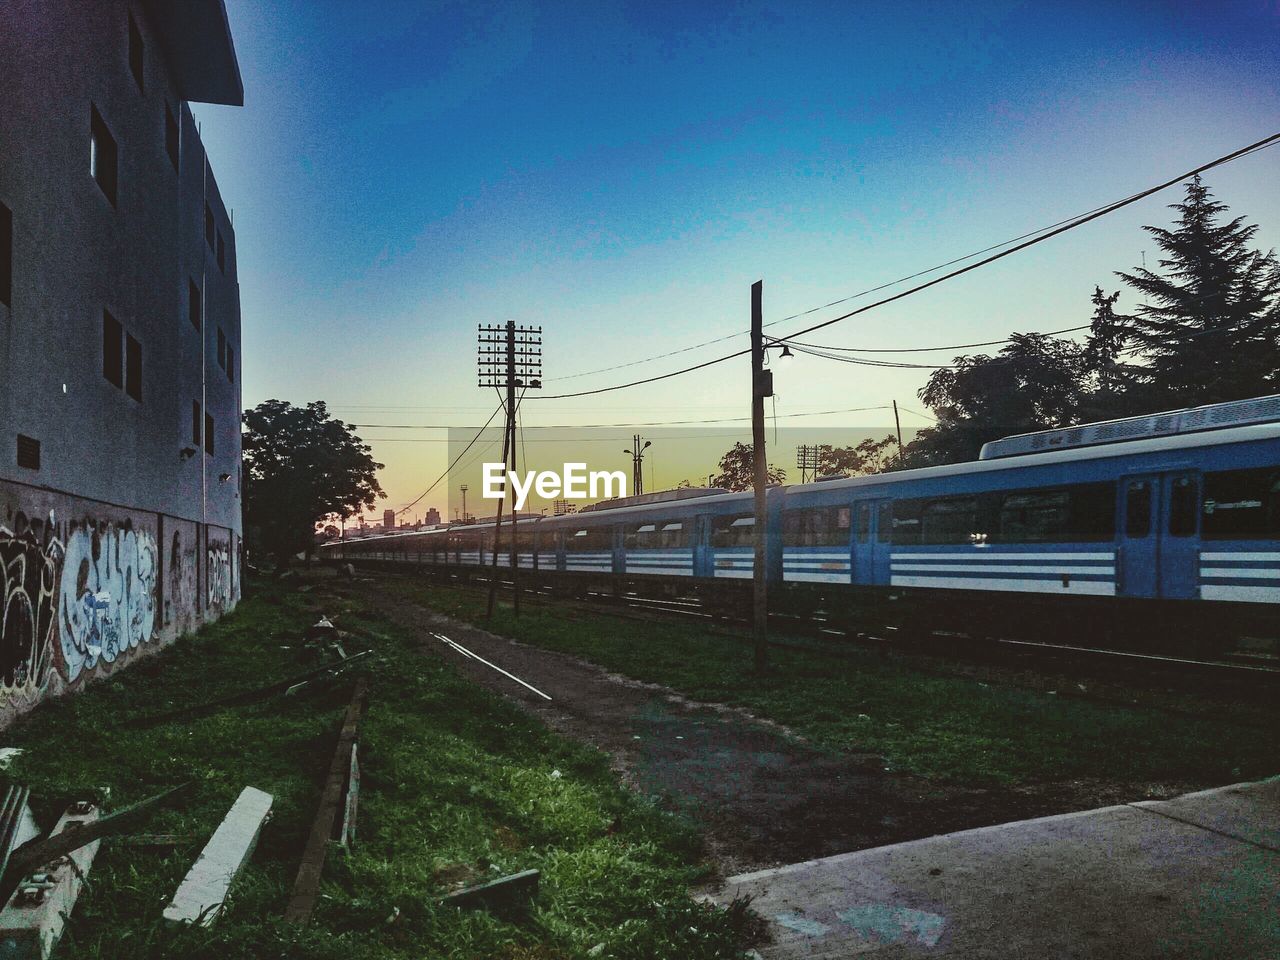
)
(433, 518)
(388, 520)
(119, 338)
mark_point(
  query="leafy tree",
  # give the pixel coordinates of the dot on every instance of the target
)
(737, 469)
(1210, 330)
(868, 457)
(301, 467)
(1034, 382)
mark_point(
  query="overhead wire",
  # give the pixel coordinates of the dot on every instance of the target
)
(437, 480)
(1039, 237)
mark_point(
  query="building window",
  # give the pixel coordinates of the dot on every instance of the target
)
(193, 304)
(231, 363)
(28, 452)
(112, 354)
(133, 367)
(171, 135)
(195, 423)
(102, 154)
(135, 51)
(6, 256)
(208, 434)
(222, 253)
(208, 226)
(222, 349)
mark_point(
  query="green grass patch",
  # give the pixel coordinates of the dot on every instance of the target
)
(457, 786)
(949, 728)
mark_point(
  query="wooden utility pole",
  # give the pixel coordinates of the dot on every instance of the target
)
(510, 357)
(898, 423)
(761, 387)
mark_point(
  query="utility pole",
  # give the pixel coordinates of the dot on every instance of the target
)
(509, 356)
(898, 423)
(463, 488)
(807, 460)
(761, 387)
(637, 463)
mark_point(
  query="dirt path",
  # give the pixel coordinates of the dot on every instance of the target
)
(764, 796)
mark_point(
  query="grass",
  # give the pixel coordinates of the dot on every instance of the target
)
(458, 786)
(947, 728)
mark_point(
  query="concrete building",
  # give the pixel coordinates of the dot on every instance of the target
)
(432, 518)
(119, 339)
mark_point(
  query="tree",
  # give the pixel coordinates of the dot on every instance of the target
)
(301, 467)
(868, 457)
(737, 469)
(1210, 330)
(1034, 382)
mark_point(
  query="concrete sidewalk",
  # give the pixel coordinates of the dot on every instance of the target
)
(1197, 876)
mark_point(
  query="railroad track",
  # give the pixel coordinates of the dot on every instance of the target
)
(831, 641)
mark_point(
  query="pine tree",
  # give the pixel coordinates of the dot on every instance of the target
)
(1210, 329)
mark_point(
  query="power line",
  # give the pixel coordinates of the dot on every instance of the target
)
(629, 423)
(955, 346)
(1063, 227)
(437, 480)
(825, 306)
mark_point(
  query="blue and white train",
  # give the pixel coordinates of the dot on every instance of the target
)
(1160, 531)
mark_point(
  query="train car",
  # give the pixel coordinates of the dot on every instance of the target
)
(1125, 532)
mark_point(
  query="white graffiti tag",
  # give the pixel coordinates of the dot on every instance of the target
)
(107, 596)
(219, 575)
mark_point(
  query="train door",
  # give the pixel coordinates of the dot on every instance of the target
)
(1180, 535)
(1159, 548)
(1138, 556)
(872, 538)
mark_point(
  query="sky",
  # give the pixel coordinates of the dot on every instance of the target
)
(621, 173)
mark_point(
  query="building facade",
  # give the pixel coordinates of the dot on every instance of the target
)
(120, 524)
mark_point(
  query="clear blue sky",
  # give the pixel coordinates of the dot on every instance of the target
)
(620, 173)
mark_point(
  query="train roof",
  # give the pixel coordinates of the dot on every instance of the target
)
(1212, 416)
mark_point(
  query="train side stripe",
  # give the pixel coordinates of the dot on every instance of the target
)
(1242, 573)
(1109, 570)
(1004, 556)
(1239, 592)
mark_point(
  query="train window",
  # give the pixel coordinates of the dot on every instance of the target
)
(591, 538)
(1085, 512)
(906, 522)
(1184, 506)
(642, 537)
(1241, 505)
(884, 523)
(674, 535)
(1137, 522)
(864, 522)
(816, 527)
(949, 520)
(733, 531)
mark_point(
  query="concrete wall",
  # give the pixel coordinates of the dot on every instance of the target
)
(123, 538)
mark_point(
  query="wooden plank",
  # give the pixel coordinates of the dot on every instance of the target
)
(351, 801)
(204, 889)
(32, 921)
(496, 893)
(306, 887)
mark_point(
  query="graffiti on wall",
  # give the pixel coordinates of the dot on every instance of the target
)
(30, 559)
(219, 575)
(180, 591)
(107, 594)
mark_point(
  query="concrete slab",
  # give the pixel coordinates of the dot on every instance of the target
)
(1127, 881)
